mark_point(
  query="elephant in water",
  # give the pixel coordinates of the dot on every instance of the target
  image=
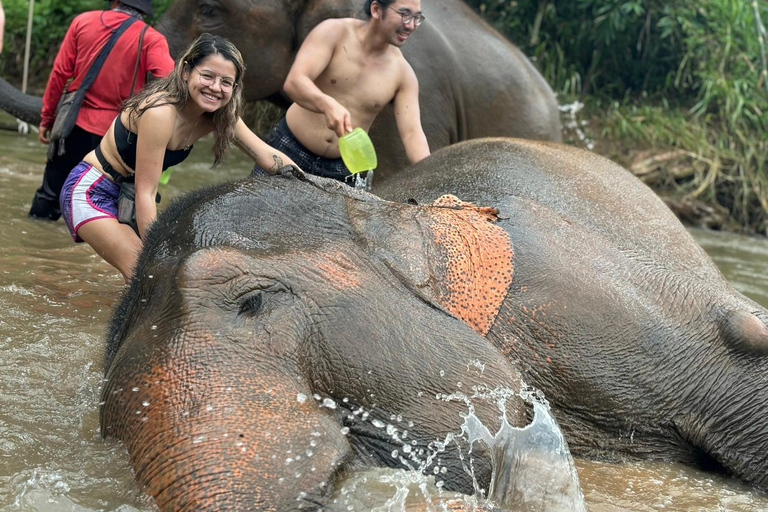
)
(252, 296)
(254, 359)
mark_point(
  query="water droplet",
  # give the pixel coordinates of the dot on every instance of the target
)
(329, 403)
(145, 403)
(301, 398)
(345, 430)
(378, 424)
(394, 454)
(442, 373)
(133, 389)
(154, 327)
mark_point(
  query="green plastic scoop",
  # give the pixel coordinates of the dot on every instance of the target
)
(357, 151)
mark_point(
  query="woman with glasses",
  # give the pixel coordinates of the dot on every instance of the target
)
(156, 130)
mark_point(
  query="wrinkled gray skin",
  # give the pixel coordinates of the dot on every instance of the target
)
(261, 323)
(22, 106)
(472, 82)
(616, 313)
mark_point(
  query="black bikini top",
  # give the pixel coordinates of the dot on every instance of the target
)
(126, 148)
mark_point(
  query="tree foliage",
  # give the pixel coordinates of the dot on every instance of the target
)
(50, 21)
(706, 55)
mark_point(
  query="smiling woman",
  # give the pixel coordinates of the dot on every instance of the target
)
(109, 199)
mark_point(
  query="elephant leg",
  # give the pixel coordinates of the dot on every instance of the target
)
(214, 437)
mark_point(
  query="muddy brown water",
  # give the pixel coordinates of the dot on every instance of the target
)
(55, 302)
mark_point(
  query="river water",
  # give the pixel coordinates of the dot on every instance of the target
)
(55, 302)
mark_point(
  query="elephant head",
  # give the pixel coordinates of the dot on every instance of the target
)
(265, 347)
(473, 83)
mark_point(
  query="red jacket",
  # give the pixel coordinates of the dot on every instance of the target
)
(87, 35)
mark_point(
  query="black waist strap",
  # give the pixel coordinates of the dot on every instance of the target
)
(107, 168)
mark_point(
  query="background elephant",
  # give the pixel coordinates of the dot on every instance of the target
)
(255, 359)
(473, 82)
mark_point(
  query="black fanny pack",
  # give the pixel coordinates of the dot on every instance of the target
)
(126, 199)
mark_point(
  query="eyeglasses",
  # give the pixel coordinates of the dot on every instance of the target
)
(208, 79)
(408, 17)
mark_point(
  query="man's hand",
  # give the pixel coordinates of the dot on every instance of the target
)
(42, 135)
(337, 118)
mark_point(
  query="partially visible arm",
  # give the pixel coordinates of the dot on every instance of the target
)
(63, 70)
(408, 117)
(154, 133)
(2, 26)
(159, 62)
(313, 57)
(267, 157)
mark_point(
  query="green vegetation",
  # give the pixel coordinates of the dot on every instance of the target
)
(50, 21)
(685, 84)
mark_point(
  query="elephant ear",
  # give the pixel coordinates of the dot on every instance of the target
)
(315, 11)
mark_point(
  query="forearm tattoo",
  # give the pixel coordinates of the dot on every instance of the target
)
(277, 165)
(246, 149)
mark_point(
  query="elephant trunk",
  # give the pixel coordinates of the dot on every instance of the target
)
(20, 105)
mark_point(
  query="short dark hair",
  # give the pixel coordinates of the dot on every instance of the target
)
(383, 3)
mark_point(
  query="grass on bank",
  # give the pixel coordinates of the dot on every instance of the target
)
(693, 162)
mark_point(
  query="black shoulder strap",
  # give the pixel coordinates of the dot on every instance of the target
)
(93, 72)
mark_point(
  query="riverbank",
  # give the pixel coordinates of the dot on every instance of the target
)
(709, 177)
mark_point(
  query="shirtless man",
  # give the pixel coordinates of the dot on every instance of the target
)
(344, 74)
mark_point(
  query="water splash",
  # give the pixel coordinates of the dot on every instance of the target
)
(532, 466)
(572, 123)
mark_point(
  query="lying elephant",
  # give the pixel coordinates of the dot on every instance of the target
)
(585, 280)
(255, 360)
(639, 342)
(473, 82)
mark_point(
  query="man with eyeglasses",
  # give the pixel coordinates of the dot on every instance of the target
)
(346, 71)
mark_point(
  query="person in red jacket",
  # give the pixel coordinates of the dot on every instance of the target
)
(86, 36)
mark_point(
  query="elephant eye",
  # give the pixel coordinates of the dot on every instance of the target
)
(209, 13)
(252, 304)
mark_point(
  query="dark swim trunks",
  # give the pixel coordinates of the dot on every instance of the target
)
(281, 138)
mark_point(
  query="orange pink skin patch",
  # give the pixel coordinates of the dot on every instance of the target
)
(477, 258)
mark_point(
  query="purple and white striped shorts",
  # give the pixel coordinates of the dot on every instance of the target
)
(87, 195)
